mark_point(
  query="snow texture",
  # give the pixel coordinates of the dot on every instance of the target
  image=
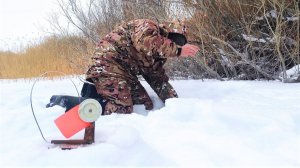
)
(253, 39)
(293, 74)
(212, 124)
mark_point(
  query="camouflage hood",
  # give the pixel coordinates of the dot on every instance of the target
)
(175, 26)
(174, 30)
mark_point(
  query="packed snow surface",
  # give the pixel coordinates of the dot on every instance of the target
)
(211, 124)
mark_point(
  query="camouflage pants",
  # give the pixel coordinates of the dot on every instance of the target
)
(158, 80)
(122, 88)
(122, 94)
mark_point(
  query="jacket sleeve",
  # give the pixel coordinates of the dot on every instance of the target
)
(146, 38)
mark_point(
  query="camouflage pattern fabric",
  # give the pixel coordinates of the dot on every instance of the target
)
(139, 95)
(158, 81)
(176, 26)
(139, 47)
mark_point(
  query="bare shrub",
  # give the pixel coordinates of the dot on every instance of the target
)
(95, 18)
(242, 39)
(246, 39)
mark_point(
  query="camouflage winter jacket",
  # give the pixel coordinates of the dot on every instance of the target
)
(137, 47)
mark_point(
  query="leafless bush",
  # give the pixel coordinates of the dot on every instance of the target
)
(247, 39)
(95, 18)
(150, 9)
(242, 39)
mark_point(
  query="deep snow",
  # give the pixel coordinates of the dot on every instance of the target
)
(212, 124)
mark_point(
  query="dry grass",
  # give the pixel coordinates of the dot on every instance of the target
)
(54, 54)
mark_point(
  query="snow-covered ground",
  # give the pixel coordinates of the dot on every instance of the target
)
(212, 124)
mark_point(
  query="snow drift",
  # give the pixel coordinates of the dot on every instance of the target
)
(212, 124)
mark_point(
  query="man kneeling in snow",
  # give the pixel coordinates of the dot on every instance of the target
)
(139, 47)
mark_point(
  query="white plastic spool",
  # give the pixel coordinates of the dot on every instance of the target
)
(89, 110)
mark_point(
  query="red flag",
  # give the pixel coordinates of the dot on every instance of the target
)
(70, 123)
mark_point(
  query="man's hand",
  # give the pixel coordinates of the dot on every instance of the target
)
(189, 50)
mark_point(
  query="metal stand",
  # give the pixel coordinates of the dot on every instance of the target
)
(89, 138)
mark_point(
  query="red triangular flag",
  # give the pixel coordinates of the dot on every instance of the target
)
(70, 123)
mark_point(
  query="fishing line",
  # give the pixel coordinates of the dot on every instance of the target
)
(31, 92)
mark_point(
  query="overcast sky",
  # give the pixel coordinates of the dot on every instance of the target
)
(23, 22)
